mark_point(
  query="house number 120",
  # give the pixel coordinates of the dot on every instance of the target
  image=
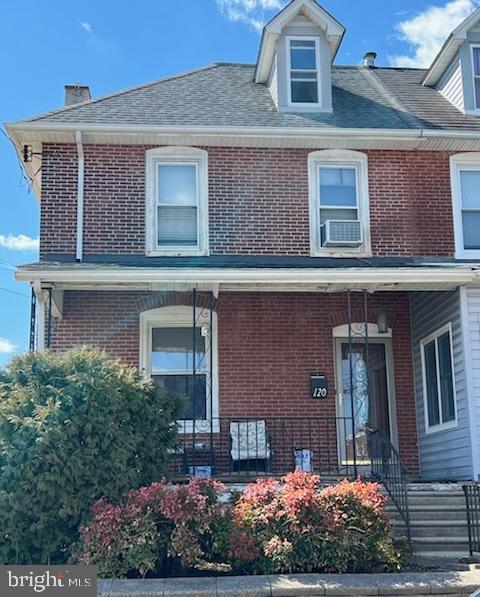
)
(319, 392)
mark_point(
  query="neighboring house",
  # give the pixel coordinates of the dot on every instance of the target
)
(308, 231)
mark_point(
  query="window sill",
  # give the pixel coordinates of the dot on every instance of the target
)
(442, 427)
(340, 253)
(468, 254)
(305, 108)
(177, 253)
(186, 426)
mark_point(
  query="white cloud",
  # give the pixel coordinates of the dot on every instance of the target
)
(18, 243)
(6, 346)
(426, 32)
(250, 12)
(86, 25)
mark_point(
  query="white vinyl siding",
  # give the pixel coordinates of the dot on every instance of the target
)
(451, 85)
(447, 454)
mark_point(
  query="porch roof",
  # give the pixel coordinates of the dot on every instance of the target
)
(251, 272)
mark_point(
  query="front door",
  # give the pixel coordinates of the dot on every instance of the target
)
(366, 383)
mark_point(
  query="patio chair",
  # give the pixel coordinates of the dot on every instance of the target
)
(249, 446)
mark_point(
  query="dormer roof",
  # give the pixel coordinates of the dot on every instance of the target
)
(271, 32)
(450, 49)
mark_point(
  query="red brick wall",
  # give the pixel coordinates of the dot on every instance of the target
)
(269, 344)
(258, 201)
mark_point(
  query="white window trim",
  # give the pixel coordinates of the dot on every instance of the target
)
(459, 163)
(476, 110)
(182, 316)
(291, 104)
(176, 155)
(340, 158)
(423, 342)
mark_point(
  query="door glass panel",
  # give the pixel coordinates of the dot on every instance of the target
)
(366, 385)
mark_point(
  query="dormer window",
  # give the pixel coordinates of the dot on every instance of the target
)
(476, 74)
(303, 75)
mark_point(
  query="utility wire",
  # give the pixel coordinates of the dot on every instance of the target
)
(13, 292)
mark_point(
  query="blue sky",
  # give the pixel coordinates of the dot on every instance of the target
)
(112, 45)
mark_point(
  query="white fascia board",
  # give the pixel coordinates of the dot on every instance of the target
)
(354, 276)
(442, 61)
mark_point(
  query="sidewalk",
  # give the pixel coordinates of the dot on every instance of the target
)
(418, 584)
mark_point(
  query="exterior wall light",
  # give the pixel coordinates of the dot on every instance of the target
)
(382, 321)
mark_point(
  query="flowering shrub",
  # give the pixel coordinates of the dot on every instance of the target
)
(295, 526)
(154, 523)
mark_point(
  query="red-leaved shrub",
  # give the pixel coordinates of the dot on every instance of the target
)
(295, 526)
(153, 523)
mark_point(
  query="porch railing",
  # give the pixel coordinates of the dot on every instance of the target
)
(254, 446)
(388, 468)
(472, 501)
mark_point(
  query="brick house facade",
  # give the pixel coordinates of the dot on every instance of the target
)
(333, 237)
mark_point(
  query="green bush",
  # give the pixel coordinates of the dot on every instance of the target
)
(295, 526)
(74, 427)
(183, 523)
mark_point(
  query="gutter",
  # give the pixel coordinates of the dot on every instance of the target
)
(17, 127)
(80, 195)
(359, 275)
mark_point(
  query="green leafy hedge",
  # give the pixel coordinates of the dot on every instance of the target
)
(74, 426)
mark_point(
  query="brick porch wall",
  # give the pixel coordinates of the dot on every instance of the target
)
(258, 201)
(269, 344)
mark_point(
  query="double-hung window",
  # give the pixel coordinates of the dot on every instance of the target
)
(438, 380)
(476, 75)
(303, 70)
(179, 359)
(465, 175)
(338, 197)
(177, 214)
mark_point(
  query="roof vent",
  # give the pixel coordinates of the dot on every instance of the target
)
(74, 94)
(369, 59)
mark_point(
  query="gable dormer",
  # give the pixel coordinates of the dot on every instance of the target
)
(295, 59)
(455, 72)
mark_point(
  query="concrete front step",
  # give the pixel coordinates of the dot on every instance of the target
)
(425, 499)
(442, 544)
(431, 512)
(435, 529)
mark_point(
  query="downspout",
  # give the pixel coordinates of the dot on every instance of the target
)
(80, 193)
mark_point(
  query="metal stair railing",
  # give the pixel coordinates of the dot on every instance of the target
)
(472, 502)
(388, 469)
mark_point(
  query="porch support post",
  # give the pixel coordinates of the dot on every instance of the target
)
(212, 459)
(350, 363)
(40, 317)
(194, 371)
(367, 356)
(49, 320)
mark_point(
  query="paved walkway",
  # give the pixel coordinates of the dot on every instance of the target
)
(419, 584)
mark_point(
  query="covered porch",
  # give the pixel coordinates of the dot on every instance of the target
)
(314, 370)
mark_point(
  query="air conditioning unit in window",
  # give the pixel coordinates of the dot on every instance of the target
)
(342, 233)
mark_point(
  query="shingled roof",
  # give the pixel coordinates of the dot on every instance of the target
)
(224, 94)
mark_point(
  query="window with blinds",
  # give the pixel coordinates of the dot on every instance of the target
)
(177, 204)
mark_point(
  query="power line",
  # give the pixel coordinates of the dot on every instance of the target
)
(14, 292)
